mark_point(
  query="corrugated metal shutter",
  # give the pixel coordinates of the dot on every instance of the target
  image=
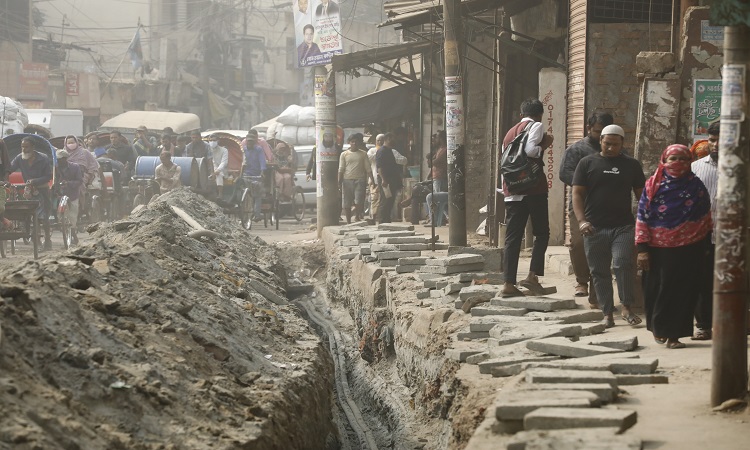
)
(576, 71)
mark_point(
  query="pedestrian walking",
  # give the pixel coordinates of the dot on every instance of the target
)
(603, 185)
(389, 174)
(354, 173)
(706, 169)
(528, 204)
(672, 235)
(589, 145)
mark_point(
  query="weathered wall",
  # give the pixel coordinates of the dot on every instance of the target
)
(701, 59)
(657, 119)
(612, 78)
(479, 105)
(552, 92)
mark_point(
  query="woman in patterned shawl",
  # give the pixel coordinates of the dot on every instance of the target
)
(672, 233)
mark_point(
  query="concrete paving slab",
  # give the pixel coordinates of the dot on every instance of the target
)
(589, 329)
(564, 347)
(490, 277)
(460, 355)
(604, 391)
(374, 248)
(624, 343)
(536, 303)
(558, 418)
(480, 324)
(457, 260)
(623, 366)
(454, 286)
(349, 242)
(486, 366)
(402, 268)
(385, 255)
(542, 375)
(471, 335)
(574, 439)
(478, 358)
(413, 260)
(571, 316)
(448, 270)
(488, 291)
(497, 311)
(392, 263)
(364, 249)
(525, 331)
(515, 405)
(408, 247)
(635, 379)
(493, 256)
(395, 227)
(428, 276)
(417, 239)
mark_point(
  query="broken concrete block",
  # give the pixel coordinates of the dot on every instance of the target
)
(624, 366)
(557, 418)
(506, 334)
(384, 255)
(516, 404)
(651, 378)
(433, 283)
(454, 287)
(448, 270)
(487, 291)
(418, 239)
(604, 391)
(392, 263)
(408, 247)
(460, 355)
(541, 375)
(414, 260)
(407, 268)
(625, 344)
(364, 249)
(564, 347)
(428, 276)
(375, 248)
(395, 227)
(422, 293)
(478, 358)
(369, 258)
(574, 439)
(486, 366)
(493, 257)
(497, 311)
(536, 303)
(349, 242)
(570, 316)
(470, 335)
(588, 329)
(456, 260)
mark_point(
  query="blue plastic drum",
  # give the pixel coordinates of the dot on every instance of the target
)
(145, 168)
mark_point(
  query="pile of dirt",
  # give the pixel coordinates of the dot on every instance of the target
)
(149, 338)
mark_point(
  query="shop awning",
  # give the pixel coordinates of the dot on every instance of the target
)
(382, 105)
(408, 15)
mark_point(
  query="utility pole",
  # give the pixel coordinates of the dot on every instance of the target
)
(455, 125)
(326, 155)
(205, 80)
(729, 360)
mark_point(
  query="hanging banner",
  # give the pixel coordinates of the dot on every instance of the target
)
(72, 87)
(317, 29)
(33, 81)
(706, 106)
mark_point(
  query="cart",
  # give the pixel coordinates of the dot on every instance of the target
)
(23, 214)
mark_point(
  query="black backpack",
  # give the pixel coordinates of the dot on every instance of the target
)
(519, 172)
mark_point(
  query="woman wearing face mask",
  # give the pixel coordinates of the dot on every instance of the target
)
(672, 234)
(220, 158)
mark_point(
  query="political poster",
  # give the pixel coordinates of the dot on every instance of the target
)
(706, 106)
(317, 26)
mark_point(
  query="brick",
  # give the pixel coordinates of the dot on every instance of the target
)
(515, 405)
(571, 316)
(541, 375)
(487, 291)
(604, 391)
(651, 378)
(402, 268)
(625, 344)
(557, 418)
(448, 270)
(397, 254)
(456, 260)
(486, 366)
(536, 303)
(563, 347)
(496, 311)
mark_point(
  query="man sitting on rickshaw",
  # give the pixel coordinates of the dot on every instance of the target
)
(220, 158)
(286, 166)
(86, 160)
(253, 165)
(167, 173)
(36, 169)
(70, 177)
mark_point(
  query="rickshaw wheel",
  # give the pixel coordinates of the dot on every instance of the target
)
(67, 235)
(298, 204)
(245, 209)
(96, 209)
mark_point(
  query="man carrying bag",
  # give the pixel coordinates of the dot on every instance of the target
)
(525, 191)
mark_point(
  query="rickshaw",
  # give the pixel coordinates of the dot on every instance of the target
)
(296, 206)
(22, 212)
(106, 195)
(143, 185)
(236, 198)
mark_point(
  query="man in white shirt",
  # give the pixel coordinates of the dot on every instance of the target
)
(375, 187)
(220, 158)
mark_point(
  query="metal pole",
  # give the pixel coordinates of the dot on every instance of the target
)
(729, 370)
(455, 122)
(327, 158)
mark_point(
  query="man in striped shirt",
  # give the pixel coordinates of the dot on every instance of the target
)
(706, 169)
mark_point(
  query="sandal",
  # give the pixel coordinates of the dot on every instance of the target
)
(582, 290)
(632, 319)
(675, 344)
(702, 335)
(608, 322)
(659, 340)
(594, 305)
(533, 286)
(511, 291)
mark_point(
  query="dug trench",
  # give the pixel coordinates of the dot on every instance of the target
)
(154, 336)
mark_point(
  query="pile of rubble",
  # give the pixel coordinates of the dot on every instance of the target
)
(150, 338)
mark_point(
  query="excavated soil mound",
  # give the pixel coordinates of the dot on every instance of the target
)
(149, 338)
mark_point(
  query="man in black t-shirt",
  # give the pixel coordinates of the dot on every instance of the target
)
(602, 202)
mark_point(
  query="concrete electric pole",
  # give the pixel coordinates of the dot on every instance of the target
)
(455, 125)
(729, 366)
(326, 153)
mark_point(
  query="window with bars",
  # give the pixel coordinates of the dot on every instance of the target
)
(646, 11)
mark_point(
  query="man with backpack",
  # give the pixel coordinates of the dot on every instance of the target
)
(525, 191)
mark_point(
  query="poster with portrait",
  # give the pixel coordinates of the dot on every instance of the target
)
(317, 27)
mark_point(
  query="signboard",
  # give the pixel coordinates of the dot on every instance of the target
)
(706, 106)
(711, 34)
(317, 29)
(32, 81)
(72, 86)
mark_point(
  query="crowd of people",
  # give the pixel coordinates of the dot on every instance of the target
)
(670, 238)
